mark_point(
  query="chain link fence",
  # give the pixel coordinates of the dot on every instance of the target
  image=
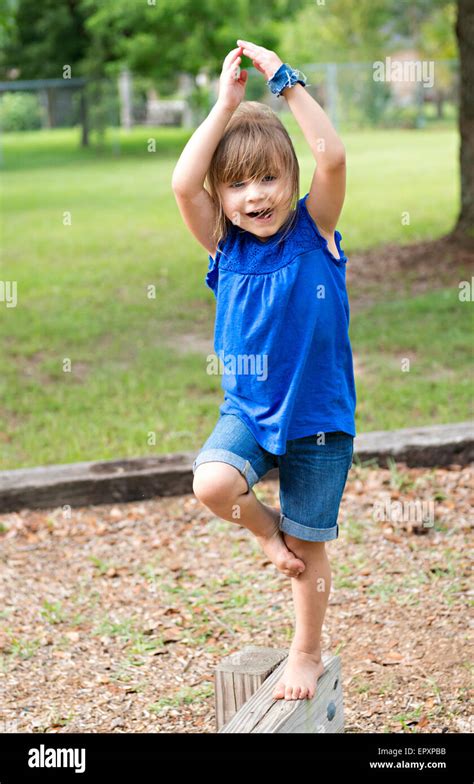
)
(349, 92)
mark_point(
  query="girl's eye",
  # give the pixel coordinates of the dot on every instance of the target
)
(267, 177)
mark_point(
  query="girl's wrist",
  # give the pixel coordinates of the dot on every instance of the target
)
(274, 68)
(285, 77)
(225, 107)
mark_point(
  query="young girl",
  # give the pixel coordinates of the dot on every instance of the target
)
(277, 270)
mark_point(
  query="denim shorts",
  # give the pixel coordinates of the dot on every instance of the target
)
(312, 475)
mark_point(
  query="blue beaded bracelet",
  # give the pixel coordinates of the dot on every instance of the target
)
(284, 77)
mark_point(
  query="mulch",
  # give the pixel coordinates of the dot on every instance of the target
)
(114, 617)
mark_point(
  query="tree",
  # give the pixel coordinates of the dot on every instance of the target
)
(342, 32)
(161, 39)
(155, 39)
(464, 229)
(45, 37)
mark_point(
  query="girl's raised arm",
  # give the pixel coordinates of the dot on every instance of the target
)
(328, 186)
(195, 204)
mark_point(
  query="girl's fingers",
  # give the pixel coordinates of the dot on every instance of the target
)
(234, 64)
(249, 47)
(252, 54)
(235, 58)
(232, 54)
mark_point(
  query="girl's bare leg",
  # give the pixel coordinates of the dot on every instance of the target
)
(310, 594)
(245, 509)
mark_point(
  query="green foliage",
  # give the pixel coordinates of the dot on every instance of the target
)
(20, 112)
(200, 100)
(373, 103)
(156, 39)
(402, 117)
(437, 34)
(43, 37)
(345, 31)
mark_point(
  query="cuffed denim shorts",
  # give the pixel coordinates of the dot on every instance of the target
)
(312, 475)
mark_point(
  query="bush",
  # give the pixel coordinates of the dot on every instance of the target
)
(402, 117)
(20, 112)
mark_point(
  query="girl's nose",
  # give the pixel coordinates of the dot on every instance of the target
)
(255, 192)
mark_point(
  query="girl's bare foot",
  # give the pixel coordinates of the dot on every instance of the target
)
(273, 545)
(300, 676)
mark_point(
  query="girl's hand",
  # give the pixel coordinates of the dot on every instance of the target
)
(231, 83)
(264, 60)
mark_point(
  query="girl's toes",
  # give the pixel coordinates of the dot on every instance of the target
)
(288, 693)
(279, 691)
(296, 692)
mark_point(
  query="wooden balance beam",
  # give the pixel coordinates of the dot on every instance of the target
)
(244, 682)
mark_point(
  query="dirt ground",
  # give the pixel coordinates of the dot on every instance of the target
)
(393, 270)
(115, 616)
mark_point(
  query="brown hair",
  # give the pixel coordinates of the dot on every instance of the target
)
(255, 143)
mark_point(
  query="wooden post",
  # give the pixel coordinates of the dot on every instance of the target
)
(240, 675)
(244, 684)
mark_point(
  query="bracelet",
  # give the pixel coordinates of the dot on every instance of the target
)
(284, 77)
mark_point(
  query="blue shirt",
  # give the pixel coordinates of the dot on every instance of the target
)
(281, 333)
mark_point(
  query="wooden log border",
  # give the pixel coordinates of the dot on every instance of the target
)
(118, 481)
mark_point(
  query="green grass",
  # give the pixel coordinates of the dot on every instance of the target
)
(83, 295)
(434, 333)
(391, 173)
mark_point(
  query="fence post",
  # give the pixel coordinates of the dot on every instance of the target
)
(125, 92)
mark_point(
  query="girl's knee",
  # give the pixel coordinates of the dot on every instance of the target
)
(218, 483)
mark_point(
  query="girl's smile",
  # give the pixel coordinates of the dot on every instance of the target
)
(264, 216)
(254, 206)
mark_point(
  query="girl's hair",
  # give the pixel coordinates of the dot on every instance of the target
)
(255, 143)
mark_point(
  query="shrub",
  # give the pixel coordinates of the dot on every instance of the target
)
(20, 112)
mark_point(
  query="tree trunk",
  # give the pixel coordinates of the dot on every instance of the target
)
(84, 119)
(439, 100)
(464, 229)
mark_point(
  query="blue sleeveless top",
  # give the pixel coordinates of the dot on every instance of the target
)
(281, 333)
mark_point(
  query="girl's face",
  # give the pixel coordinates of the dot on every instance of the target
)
(242, 200)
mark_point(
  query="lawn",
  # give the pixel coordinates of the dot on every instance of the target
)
(104, 355)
